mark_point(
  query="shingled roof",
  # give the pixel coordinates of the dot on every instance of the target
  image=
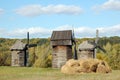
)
(87, 45)
(18, 45)
(62, 35)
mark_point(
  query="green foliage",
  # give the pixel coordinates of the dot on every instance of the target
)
(114, 58)
(100, 56)
(40, 56)
(5, 57)
(112, 55)
(35, 53)
(32, 56)
(44, 56)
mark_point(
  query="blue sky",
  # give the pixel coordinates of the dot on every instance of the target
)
(41, 17)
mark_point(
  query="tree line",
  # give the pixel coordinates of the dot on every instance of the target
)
(41, 56)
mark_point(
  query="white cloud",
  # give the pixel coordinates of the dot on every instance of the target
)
(103, 31)
(1, 11)
(80, 32)
(34, 32)
(109, 5)
(3, 32)
(110, 31)
(36, 10)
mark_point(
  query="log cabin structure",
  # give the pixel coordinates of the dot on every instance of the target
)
(19, 54)
(61, 42)
(86, 50)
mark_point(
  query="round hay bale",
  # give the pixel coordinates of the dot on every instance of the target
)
(93, 63)
(101, 69)
(81, 61)
(108, 69)
(67, 69)
(86, 66)
(80, 69)
(70, 70)
(72, 63)
(93, 67)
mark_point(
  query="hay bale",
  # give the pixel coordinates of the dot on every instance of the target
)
(85, 66)
(72, 63)
(71, 67)
(101, 69)
(108, 69)
(67, 69)
(93, 67)
(90, 64)
(80, 69)
(76, 66)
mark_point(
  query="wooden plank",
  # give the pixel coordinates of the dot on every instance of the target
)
(60, 55)
(61, 42)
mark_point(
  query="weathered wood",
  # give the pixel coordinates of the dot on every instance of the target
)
(85, 54)
(61, 35)
(61, 42)
(60, 55)
(86, 50)
(17, 58)
(18, 53)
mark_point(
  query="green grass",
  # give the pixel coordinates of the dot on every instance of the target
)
(30, 73)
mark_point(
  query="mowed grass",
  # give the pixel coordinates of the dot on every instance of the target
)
(30, 73)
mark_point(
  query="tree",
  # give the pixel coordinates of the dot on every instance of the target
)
(113, 55)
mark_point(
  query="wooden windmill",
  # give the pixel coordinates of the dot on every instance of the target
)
(20, 52)
(29, 45)
(88, 49)
(75, 50)
(61, 42)
(96, 44)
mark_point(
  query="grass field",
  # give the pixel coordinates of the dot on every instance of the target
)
(29, 73)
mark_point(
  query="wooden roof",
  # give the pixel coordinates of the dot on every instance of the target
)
(62, 35)
(18, 45)
(87, 45)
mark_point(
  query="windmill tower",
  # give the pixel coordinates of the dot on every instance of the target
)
(88, 49)
(61, 42)
(75, 50)
(20, 52)
(96, 42)
(29, 46)
(97, 45)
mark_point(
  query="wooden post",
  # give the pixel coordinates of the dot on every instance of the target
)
(96, 42)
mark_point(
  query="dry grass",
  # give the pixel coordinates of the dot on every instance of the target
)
(85, 66)
(29, 73)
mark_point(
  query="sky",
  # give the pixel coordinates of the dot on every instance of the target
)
(41, 17)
